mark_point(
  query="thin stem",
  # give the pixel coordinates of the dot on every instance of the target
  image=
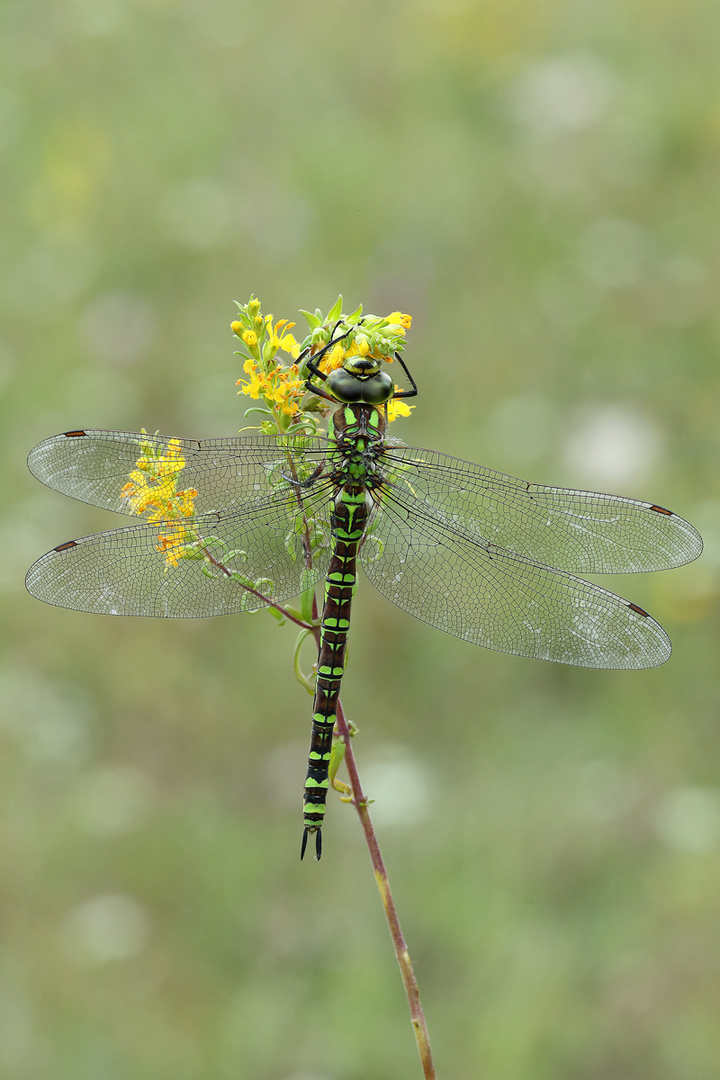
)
(412, 992)
(254, 592)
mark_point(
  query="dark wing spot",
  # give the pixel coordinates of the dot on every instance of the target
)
(661, 510)
(638, 610)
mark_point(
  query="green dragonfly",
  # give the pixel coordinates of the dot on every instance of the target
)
(485, 557)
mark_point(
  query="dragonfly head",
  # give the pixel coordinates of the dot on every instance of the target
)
(361, 380)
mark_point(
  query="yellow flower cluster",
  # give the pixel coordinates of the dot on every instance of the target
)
(360, 346)
(152, 490)
(271, 337)
(282, 386)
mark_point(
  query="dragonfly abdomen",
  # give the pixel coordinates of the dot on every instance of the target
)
(348, 524)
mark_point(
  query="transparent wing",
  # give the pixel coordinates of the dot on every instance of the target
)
(253, 539)
(583, 532)
(94, 466)
(123, 572)
(483, 593)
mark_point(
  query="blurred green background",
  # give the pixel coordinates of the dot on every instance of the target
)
(539, 186)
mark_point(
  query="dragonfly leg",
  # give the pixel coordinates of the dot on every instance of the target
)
(305, 483)
(306, 351)
(405, 393)
(315, 371)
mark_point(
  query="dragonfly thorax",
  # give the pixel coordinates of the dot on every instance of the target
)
(361, 381)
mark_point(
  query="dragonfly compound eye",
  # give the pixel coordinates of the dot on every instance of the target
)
(378, 389)
(350, 388)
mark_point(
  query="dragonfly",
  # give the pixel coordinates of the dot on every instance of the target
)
(488, 558)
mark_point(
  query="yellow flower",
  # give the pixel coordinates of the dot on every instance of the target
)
(279, 338)
(250, 338)
(332, 360)
(172, 544)
(186, 501)
(359, 347)
(398, 408)
(252, 388)
(286, 389)
(170, 464)
(397, 318)
(144, 497)
(152, 489)
(290, 345)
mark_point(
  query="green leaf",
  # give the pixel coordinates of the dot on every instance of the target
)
(335, 311)
(313, 320)
(256, 408)
(337, 756)
(301, 678)
(306, 602)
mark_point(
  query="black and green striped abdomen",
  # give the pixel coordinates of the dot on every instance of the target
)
(348, 522)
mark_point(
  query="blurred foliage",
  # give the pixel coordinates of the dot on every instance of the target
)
(537, 186)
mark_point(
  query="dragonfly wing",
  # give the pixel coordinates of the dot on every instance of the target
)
(583, 532)
(95, 466)
(125, 572)
(251, 529)
(500, 599)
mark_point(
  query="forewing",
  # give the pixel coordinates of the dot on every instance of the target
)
(583, 532)
(499, 599)
(94, 466)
